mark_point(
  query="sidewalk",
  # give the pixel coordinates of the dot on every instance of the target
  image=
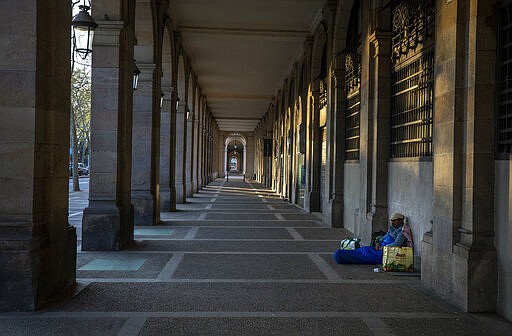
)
(238, 260)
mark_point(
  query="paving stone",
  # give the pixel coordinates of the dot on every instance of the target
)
(285, 206)
(60, 326)
(192, 206)
(153, 232)
(359, 272)
(242, 233)
(160, 231)
(251, 297)
(111, 264)
(180, 215)
(254, 223)
(227, 216)
(237, 246)
(300, 216)
(152, 266)
(254, 326)
(255, 200)
(463, 326)
(323, 233)
(238, 208)
(239, 266)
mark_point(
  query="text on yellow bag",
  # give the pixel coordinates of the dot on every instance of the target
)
(397, 259)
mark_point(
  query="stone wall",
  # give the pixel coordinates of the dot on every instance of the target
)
(351, 197)
(410, 193)
(503, 236)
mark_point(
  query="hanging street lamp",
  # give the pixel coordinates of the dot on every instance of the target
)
(83, 31)
(136, 73)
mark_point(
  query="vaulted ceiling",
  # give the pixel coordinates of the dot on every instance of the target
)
(242, 50)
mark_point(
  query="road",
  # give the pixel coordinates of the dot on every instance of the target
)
(78, 201)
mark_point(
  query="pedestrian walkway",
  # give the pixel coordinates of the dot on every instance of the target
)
(238, 260)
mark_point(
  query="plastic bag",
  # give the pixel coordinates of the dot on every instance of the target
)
(350, 244)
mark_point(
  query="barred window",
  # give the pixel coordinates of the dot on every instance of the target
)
(352, 104)
(353, 84)
(504, 113)
(412, 79)
(323, 94)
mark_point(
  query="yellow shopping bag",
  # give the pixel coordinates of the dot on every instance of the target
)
(397, 259)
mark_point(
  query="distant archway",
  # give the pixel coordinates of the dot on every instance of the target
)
(235, 147)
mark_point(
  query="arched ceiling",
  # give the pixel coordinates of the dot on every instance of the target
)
(241, 51)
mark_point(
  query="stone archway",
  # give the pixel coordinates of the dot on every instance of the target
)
(234, 138)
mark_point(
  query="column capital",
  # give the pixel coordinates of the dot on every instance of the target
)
(107, 33)
(146, 77)
(381, 41)
(182, 106)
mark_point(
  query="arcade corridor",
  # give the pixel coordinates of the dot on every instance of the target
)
(237, 260)
(339, 113)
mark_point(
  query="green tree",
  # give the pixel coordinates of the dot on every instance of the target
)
(80, 120)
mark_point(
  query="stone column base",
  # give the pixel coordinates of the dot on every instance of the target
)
(336, 210)
(188, 188)
(467, 277)
(105, 229)
(144, 208)
(180, 192)
(34, 269)
(312, 201)
(167, 198)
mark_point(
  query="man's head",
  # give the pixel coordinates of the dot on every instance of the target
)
(397, 219)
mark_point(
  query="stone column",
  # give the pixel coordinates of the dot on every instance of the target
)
(180, 136)
(245, 159)
(225, 159)
(108, 221)
(37, 245)
(144, 179)
(461, 241)
(337, 116)
(195, 150)
(250, 157)
(314, 152)
(362, 228)
(380, 108)
(191, 185)
(205, 151)
(189, 152)
(199, 145)
(165, 152)
(208, 152)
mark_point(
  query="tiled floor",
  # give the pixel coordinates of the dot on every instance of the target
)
(238, 260)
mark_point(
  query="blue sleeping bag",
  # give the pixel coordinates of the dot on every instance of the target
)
(362, 255)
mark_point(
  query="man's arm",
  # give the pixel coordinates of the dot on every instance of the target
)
(399, 240)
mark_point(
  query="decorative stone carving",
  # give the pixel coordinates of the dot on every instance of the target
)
(412, 25)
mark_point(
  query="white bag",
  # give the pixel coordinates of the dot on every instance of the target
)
(349, 244)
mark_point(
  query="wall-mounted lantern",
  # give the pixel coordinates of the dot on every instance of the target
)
(136, 73)
(83, 31)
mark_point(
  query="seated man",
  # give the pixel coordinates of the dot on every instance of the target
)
(373, 255)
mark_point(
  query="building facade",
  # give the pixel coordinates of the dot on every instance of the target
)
(392, 106)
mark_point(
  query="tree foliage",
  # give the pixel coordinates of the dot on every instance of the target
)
(80, 121)
(81, 107)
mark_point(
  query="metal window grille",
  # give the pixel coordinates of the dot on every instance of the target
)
(352, 104)
(267, 147)
(412, 79)
(323, 94)
(504, 117)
